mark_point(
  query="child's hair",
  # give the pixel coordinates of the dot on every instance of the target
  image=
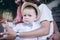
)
(29, 6)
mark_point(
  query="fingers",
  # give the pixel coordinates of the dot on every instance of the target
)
(1, 33)
(51, 38)
(5, 33)
(4, 21)
(5, 24)
(54, 37)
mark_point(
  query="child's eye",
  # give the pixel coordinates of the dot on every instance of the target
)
(24, 15)
(30, 15)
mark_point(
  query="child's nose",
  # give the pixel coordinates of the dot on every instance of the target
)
(26, 17)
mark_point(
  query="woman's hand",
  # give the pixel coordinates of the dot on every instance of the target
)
(5, 24)
(55, 37)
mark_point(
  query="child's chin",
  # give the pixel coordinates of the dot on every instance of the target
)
(27, 22)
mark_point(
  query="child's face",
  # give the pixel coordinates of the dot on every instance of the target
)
(29, 15)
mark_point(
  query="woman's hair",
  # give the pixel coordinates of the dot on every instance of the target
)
(29, 6)
(34, 1)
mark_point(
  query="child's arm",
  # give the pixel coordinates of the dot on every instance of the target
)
(9, 31)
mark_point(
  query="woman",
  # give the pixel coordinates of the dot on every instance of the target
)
(18, 18)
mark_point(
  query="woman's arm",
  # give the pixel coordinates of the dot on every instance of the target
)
(55, 27)
(44, 30)
(56, 35)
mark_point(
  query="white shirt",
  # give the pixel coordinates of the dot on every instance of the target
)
(23, 27)
(46, 14)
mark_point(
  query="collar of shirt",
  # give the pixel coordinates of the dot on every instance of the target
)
(29, 25)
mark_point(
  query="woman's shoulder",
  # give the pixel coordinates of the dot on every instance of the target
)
(44, 8)
(42, 5)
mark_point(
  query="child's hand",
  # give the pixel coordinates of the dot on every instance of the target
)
(1, 33)
(5, 24)
(3, 20)
(16, 21)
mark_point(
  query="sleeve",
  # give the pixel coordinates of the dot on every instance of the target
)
(46, 13)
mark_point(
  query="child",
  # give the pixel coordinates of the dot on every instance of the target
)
(30, 14)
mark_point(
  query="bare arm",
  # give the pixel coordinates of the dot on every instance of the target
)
(44, 30)
(55, 27)
(56, 35)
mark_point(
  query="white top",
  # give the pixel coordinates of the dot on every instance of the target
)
(23, 27)
(46, 14)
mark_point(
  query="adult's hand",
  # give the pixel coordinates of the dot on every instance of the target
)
(55, 37)
(5, 24)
